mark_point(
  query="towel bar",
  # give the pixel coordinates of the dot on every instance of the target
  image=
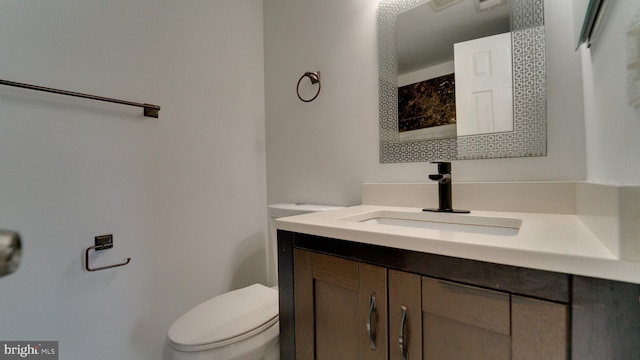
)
(149, 109)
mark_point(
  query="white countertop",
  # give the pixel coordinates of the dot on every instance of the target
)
(554, 242)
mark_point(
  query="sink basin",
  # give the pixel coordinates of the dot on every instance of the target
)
(441, 221)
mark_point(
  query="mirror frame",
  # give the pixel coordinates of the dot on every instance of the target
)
(529, 137)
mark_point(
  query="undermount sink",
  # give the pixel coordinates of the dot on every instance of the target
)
(441, 221)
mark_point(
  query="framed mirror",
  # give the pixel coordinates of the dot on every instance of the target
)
(527, 136)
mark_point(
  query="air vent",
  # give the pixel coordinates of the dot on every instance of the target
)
(483, 5)
(438, 5)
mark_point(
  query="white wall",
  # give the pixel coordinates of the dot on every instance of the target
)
(322, 151)
(184, 195)
(612, 125)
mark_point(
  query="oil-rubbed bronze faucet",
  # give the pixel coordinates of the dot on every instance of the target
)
(445, 197)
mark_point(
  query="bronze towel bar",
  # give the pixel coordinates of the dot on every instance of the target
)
(149, 109)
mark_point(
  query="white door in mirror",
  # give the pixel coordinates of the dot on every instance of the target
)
(484, 90)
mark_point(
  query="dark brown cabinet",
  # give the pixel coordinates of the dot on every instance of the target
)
(346, 300)
(405, 316)
(464, 322)
(467, 322)
(341, 308)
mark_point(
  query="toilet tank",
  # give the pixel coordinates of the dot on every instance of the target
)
(281, 210)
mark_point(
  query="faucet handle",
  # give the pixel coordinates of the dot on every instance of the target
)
(444, 167)
(440, 178)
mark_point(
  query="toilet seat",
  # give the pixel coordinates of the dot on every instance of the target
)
(225, 319)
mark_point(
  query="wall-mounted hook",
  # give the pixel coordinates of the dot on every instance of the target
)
(315, 79)
(102, 242)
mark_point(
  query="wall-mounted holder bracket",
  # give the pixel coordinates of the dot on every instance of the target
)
(102, 242)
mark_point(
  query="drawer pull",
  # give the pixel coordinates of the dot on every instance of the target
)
(402, 340)
(370, 327)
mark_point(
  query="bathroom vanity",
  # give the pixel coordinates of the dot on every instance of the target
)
(352, 289)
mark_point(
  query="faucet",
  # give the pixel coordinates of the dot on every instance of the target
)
(443, 177)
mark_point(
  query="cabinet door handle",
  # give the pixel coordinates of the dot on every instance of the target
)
(402, 340)
(370, 328)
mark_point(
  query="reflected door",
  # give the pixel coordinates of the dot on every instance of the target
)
(484, 90)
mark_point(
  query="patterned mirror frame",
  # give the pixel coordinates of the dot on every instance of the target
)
(529, 137)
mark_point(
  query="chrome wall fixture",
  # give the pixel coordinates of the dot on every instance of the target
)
(149, 109)
(10, 251)
(102, 242)
(315, 79)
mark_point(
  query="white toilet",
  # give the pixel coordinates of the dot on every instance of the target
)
(241, 324)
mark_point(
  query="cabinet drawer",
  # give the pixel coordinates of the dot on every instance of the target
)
(485, 309)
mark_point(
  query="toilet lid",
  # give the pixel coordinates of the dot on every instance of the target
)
(225, 319)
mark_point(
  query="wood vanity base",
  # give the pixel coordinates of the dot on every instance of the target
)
(447, 308)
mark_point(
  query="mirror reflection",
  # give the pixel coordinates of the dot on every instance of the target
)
(448, 53)
(431, 110)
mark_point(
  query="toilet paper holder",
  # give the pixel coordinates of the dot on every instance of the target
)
(102, 242)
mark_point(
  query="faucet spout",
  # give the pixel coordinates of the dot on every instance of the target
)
(445, 197)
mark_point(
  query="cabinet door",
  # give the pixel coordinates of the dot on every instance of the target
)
(340, 308)
(540, 329)
(464, 322)
(405, 316)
